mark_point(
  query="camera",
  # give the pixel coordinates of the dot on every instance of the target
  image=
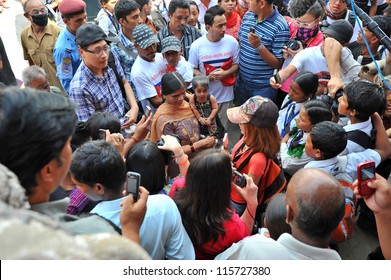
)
(293, 45)
(239, 179)
(333, 103)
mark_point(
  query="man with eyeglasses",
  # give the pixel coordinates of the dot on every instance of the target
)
(95, 87)
(65, 53)
(39, 38)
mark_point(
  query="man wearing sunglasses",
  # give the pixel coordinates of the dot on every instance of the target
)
(95, 87)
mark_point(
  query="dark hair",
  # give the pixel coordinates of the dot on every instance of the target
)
(330, 138)
(366, 98)
(318, 111)
(275, 216)
(178, 4)
(34, 128)
(99, 162)
(308, 83)
(200, 80)
(205, 199)
(142, 3)
(145, 158)
(319, 213)
(384, 24)
(194, 4)
(80, 136)
(124, 7)
(298, 8)
(387, 12)
(171, 82)
(211, 13)
(102, 120)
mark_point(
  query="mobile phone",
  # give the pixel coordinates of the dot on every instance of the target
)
(252, 30)
(102, 134)
(225, 141)
(147, 110)
(366, 172)
(239, 179)
(277, 77)
(133, 183)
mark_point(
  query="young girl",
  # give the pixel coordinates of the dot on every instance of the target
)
(193, 19)
(204, 106)
(302, 88)
(293, 156)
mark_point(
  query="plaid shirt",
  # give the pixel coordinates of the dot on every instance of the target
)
(189, 35)
(96, 94)
(125, 58)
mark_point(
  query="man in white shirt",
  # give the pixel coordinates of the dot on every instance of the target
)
(217, 56)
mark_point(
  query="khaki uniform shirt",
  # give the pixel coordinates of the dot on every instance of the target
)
(40, 52)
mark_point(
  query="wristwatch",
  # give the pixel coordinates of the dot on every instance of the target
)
(259, 47)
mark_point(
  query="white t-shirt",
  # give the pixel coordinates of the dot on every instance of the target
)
(146, 77)
(207, 56)
(312, 59)
(184, 68)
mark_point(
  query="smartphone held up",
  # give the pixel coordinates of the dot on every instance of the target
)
(238, 179)
(133, 184)
(366, 172)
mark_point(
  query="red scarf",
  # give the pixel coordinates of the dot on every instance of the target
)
(232, 19)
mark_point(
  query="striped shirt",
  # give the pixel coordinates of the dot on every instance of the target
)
(274, 33)
(189, 35)
(92, 94)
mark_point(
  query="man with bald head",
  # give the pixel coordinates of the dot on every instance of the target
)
(315, 204)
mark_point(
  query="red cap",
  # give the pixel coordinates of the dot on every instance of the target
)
(67, 7)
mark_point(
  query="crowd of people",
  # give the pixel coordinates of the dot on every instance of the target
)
(151, 87)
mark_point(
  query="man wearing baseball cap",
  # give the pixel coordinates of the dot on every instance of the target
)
(175, 62)
(148, 69)
(65, 53)
(95, 87)
(331, 61)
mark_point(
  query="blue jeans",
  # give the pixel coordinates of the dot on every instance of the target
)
(244, 91)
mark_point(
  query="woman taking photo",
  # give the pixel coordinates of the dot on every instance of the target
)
(255, 152)
(203, 199)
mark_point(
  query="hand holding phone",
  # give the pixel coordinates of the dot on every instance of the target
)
(238, 179)
(132, 184)
(147, 110)
(366, 172)
(252, 30)
(277, 77)
(225, 141)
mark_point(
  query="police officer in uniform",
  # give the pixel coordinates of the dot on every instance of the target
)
(65, 53)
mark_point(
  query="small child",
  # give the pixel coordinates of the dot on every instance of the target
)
(204, 106)
(302, 88)
(293, 156)
(359, 101)
(275, 217)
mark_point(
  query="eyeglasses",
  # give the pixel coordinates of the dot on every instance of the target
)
(99, 52)
(304, 24)
(36, 12)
